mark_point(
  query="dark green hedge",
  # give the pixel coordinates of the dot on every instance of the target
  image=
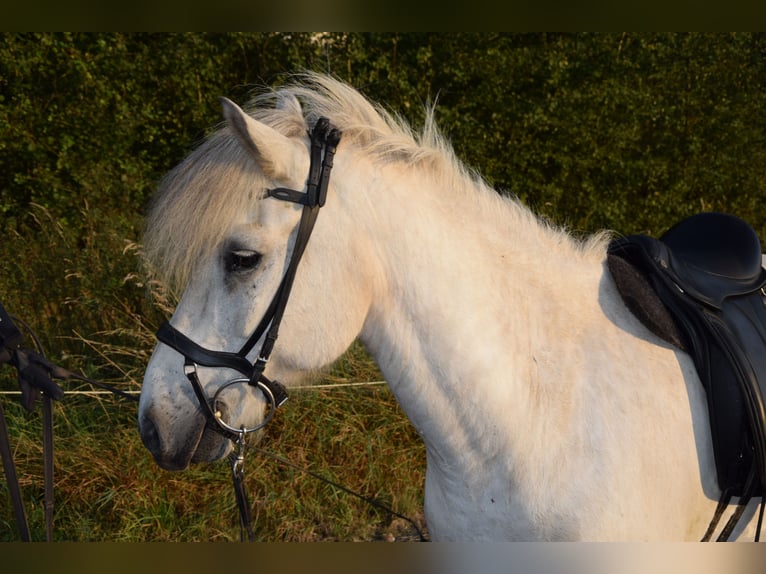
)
(625, 131)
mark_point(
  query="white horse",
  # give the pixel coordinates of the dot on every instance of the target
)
(547, 410)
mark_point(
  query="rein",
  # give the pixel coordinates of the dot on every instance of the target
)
(371, 501)
(35, 377)
(324, 140)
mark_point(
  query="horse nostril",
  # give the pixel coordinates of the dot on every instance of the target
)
(149, 435)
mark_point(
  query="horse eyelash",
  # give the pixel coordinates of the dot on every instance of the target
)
(241, 261)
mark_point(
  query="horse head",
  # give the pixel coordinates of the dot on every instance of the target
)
(229, 227)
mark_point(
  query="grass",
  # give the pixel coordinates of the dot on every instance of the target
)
(85, 295)
(109, 489)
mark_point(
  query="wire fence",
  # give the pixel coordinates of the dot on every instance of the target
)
(323, 387)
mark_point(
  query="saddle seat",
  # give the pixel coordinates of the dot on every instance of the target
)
(700, 287)
(714, 256)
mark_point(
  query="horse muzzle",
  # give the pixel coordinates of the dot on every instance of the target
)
(178, 433)
(168, 453)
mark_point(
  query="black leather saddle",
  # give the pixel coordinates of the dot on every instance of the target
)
(700, 287)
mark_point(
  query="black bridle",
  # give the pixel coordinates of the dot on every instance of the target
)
(324, 140)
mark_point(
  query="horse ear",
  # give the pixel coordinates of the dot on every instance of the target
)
(271, 150)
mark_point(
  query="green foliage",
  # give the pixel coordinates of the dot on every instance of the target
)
(625, 131)
(88, 124)
(98, 118)
(628, 131)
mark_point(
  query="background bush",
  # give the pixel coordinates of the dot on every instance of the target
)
(625, 131)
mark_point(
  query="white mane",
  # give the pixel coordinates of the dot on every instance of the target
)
(199, 198)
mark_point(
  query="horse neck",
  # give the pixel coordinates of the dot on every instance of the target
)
(467, 290)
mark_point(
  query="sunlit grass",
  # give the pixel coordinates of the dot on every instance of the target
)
(109, 489)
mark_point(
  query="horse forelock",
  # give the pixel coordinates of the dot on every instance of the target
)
(382, 134)
(196, 204)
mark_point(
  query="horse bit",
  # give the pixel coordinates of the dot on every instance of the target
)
(324, 140)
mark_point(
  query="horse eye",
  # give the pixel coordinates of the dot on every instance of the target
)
(240, 260)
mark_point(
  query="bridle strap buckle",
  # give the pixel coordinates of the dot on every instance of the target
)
(238, 459)
(277, 390)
